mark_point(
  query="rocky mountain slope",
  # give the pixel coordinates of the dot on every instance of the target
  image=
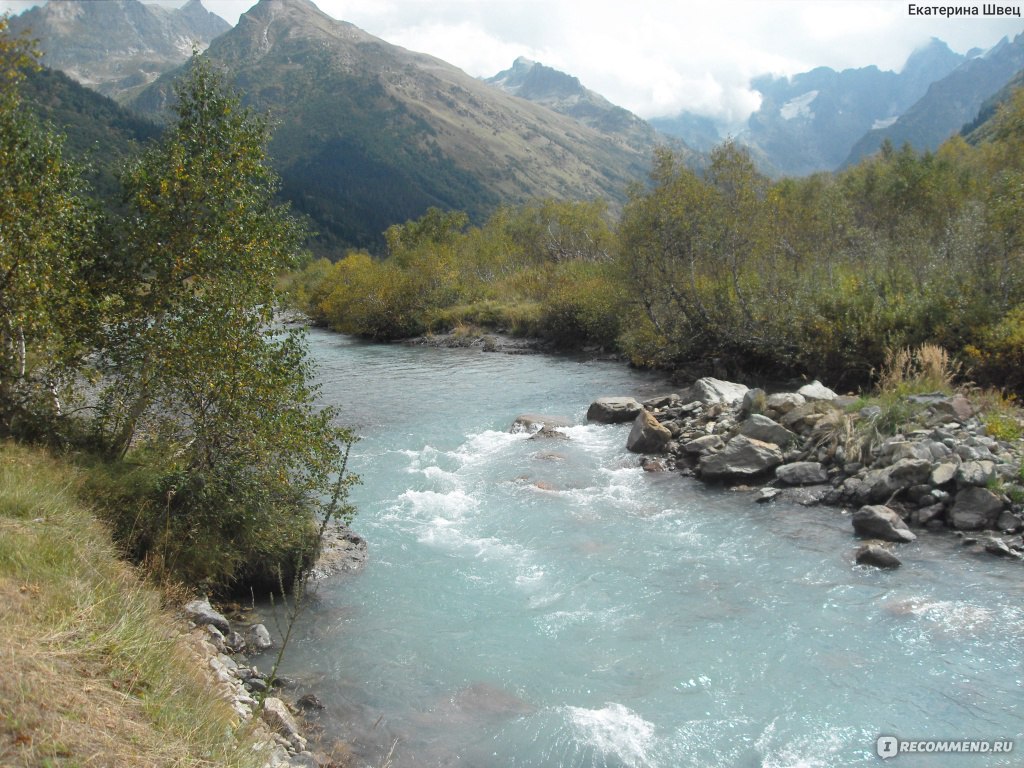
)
(368, 134)
(566, 95)
(949, 103)
(118, 46)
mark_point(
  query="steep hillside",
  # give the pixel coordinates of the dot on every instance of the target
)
(566, 95)
(118, 46)
(369, 134)
(949, 103)
(100, 133)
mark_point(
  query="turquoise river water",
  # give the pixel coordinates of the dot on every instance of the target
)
(548, 603)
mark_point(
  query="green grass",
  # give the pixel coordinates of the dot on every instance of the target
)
(94, 671)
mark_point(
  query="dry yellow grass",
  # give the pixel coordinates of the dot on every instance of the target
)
(92, 671)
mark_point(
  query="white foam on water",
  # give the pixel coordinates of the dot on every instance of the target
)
(482, 446)
(614, 731)
(449, 504)
(818, 748)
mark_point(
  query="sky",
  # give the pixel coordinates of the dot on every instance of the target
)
(659, 57)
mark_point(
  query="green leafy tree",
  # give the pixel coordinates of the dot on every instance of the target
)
(196, 356)
(46, 238)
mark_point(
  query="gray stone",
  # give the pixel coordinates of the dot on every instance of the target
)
(999, 547)
(614, 410)
(217, 638)
(803, 418)
(647, 435)
(767, 494)
(882, 484)
(910, 450)
(741, 457)
(258, 638)
(943, 473)
(880, 522)
(202, 613)
(784, 402)
(754, 401)
(978, 473)
(764, 429)
(802, 473)
(662, 401)
(709, 390)
(534, 422)
(280, 720)
(1008, 522)
(975, 509)
(956, 408)
(703, 444)
(235, 642)
(869, 412)
(926, 515)
(967, 453)
(816, 391)
(877, 556)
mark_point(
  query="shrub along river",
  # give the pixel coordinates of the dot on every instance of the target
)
(545, 602)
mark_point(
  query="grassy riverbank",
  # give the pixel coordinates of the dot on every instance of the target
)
(94, 672)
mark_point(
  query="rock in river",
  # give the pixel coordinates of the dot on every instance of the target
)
(741, 457)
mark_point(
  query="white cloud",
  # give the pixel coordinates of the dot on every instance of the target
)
(656, 57)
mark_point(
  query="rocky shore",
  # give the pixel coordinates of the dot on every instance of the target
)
(234, 652)
(941, 471)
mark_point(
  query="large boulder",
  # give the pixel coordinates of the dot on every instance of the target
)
(709, 390)
(614, 410)
(816, 391)
(280, 720)
(975, 509)
(203, 614)
(979, 473)
(647, 435)
(881, 484)
(764, 429)
(879, 522)
(802, 473)
(703, 444)
(741, 457)
(803, 418)
(956, 408)
(257, 639)
(784, 402)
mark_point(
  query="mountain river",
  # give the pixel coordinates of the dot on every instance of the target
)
(546, 603)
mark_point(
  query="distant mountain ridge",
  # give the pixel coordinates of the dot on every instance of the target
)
(565, 94)
(810, 121)
(949, 103)
(118, 46)
(368, 134)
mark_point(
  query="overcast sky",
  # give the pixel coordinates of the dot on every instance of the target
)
(657, 57)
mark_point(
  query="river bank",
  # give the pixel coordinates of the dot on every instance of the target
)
(936, 469)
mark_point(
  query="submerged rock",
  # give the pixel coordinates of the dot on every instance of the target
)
(877, 556)
(534, 422)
